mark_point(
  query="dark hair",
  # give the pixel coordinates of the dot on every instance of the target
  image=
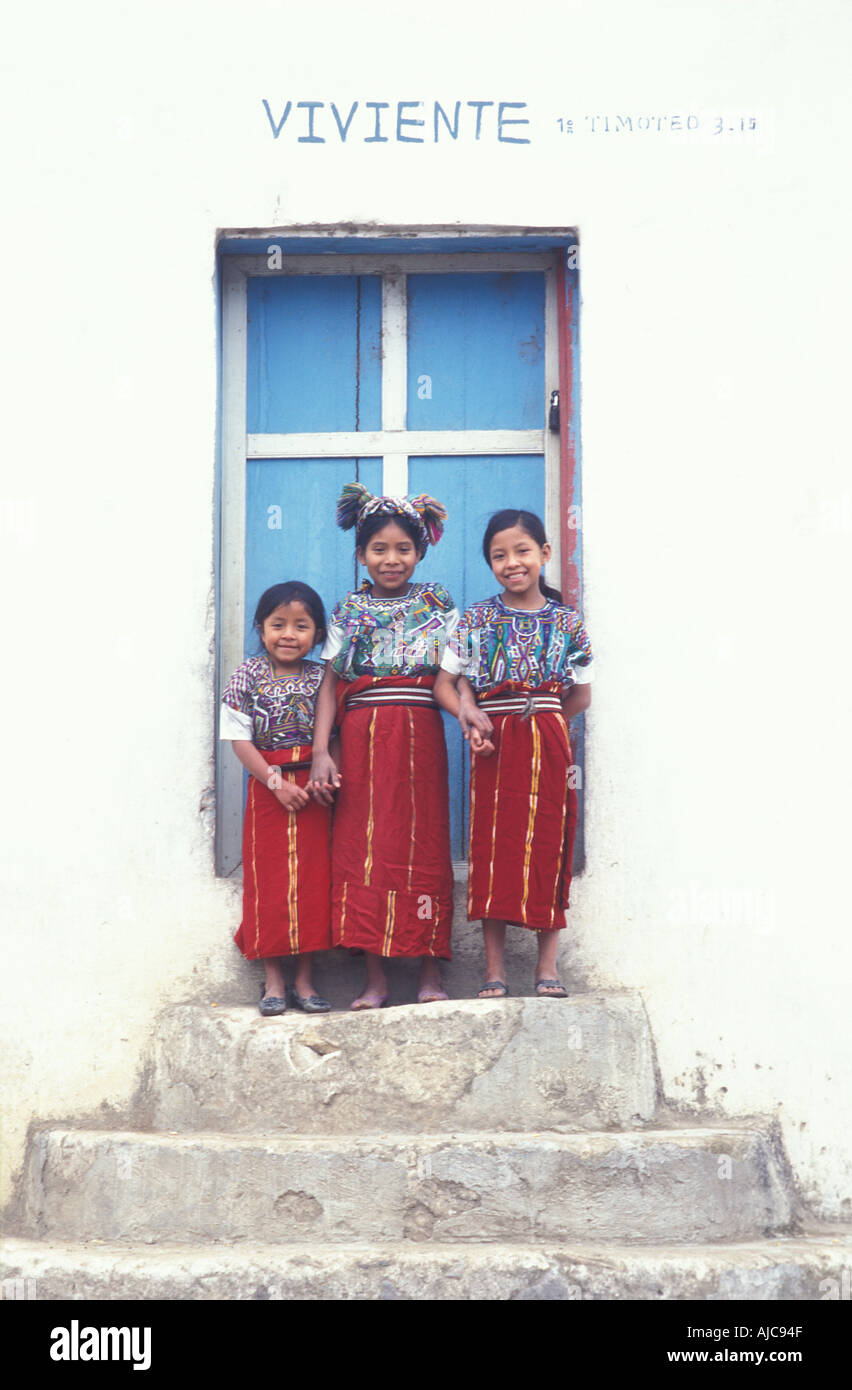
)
(529, 522)
(378, 520)
(292, 590)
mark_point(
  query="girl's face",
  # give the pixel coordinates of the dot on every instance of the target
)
(517, 561)
(390, 557)
(288, 634)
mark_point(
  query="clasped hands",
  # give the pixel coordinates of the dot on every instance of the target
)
(324, 779)
(476, 727)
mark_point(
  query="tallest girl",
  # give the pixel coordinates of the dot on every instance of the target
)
(392, 878)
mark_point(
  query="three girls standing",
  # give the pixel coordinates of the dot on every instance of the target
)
(513, 671)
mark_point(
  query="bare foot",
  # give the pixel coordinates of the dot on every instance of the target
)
(374, 995)
(431, 994)
(370, 999)
(430, 989)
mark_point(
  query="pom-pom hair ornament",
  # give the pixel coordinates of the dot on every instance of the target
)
(356, 503)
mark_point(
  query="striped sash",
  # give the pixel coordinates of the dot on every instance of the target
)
(524, 705)
(387, 695)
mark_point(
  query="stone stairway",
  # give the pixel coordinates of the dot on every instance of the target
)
(506, 1149)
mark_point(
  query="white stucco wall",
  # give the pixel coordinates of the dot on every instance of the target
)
(716, 504)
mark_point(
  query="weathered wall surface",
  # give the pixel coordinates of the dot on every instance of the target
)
(716, 502)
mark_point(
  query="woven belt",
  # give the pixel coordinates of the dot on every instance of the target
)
(524, 705)
(291, 767)
(392, 697)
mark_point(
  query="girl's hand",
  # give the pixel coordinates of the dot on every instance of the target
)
(324, 779)
(471, 718)
(291, 797)
(480, 745)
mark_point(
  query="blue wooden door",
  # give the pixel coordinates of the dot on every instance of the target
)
(475, 362)
(313, 367)
(404, 386)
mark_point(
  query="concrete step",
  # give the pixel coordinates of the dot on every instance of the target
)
(583, 1063)
(659, 1185)
(807, 1268)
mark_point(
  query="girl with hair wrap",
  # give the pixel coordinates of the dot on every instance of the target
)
(392, 880)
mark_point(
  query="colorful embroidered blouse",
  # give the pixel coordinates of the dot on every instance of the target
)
(273, 711)
(400, 636)
(494, 643)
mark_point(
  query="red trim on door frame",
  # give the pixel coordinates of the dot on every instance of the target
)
(566, 311)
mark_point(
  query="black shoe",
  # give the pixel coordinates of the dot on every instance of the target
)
(271, 1007)
(312, 1005)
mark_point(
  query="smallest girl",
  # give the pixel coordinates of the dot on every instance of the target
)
(268, 715)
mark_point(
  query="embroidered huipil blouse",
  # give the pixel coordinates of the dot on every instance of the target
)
(404, 635)
(494, 643)
(273, 711)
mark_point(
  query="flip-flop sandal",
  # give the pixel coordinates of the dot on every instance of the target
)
(431, 996)
(550, 989)
(368, 1001)
(493, 984)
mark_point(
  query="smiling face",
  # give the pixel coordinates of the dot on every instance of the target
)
(288, 634)
(517, 562)
(389, 557)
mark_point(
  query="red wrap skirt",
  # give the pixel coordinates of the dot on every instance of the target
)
(392, 876)
(523, 817)
(286, 867)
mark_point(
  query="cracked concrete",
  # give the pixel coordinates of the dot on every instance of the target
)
(585, 1064)
(498, 1126)
(799, 1269)
(637, 1187)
